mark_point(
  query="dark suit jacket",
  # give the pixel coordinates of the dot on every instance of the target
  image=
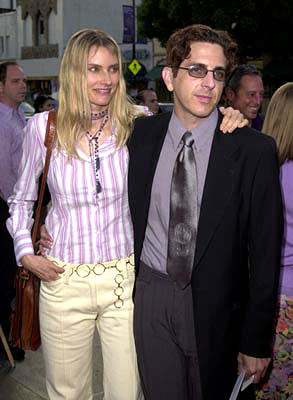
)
(236, 265)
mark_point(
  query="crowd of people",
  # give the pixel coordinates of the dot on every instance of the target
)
(166, 232)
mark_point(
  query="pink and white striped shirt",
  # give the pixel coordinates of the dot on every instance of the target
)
(86, 227)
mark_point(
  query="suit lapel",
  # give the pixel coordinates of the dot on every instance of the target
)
(144, 149)
(154, 147)
(217, 190)
(158, 141)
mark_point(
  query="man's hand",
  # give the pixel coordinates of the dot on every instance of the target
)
(232, 119)
(254, 366)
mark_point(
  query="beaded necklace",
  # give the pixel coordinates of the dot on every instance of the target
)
(94, 151)
(100, 115)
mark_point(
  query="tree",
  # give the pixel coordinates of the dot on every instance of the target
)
(260, 27)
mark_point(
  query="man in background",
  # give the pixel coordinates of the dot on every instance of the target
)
(12, 93)
(244, 91)
(148, 98)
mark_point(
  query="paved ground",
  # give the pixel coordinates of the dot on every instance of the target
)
(27, 380)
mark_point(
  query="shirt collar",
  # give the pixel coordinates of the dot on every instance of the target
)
(175, 131)
(202, 134)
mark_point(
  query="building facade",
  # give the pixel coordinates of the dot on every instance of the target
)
(35, 33)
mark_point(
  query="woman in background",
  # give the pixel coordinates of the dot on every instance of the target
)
(44, 103)
(278, 123)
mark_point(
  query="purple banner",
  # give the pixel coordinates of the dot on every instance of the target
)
(127, 24)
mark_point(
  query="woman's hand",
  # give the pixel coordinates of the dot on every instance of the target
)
(44, 269)
(232, 119)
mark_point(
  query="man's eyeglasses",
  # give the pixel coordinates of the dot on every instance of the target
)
(200, 71)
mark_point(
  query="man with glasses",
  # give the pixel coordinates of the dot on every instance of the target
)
(207, 216)
(244, 91)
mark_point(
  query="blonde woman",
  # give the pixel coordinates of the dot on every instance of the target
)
(87, 275)
(278, 123)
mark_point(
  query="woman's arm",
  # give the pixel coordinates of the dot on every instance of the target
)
(22, 201)
(25, 192)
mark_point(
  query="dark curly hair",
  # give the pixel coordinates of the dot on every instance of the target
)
(3, 69)
(178, 45)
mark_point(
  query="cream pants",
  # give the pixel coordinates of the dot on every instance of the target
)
(87, 297)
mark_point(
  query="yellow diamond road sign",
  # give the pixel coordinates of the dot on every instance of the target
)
(134, 66)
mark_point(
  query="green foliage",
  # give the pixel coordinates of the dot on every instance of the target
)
(259, 26)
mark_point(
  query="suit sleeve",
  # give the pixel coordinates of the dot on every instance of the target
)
(265, 238)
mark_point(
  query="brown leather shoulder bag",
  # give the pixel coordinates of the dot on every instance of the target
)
(25, 326)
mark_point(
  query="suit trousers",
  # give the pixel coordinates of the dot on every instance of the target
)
(85, 298)
(165, 338)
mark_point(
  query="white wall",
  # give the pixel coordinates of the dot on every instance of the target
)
(73, 15)
(27, 31)
(44, 67)
(59, 27)
(101, 14)
(52, 26)
(107, 16)
(6, 3)
(8, 35)
(20, 32)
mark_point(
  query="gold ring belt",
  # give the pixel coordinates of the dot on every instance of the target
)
(84, 270)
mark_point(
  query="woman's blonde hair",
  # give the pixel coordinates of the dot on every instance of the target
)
(278, 122)
(74, 113)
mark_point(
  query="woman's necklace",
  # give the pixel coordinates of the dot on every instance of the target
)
(94, 151)
(100, 115)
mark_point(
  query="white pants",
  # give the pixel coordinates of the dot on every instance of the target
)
(87, 297)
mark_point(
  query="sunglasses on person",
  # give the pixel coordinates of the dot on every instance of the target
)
(200, 71)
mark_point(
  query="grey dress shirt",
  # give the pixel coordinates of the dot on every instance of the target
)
(155, 245)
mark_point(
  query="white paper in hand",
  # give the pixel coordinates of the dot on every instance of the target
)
(237, 386)
(247, 382)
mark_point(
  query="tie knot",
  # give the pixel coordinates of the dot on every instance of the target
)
(187, 139)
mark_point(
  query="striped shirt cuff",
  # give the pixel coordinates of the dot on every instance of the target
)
(22, 245)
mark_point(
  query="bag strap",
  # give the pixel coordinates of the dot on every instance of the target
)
(49, 143)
